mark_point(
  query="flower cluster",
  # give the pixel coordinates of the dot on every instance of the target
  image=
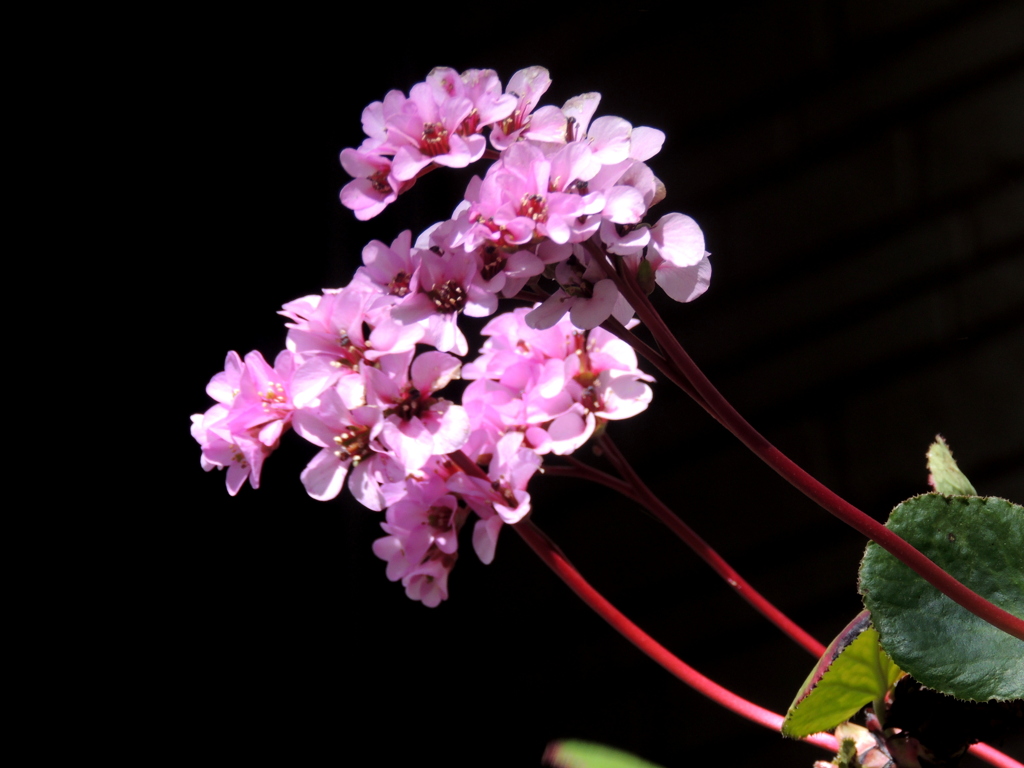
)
(557, 220)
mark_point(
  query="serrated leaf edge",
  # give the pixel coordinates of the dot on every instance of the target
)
(862, 592)
(850, 633)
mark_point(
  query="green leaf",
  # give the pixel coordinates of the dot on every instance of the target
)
(856, 745)
(945, 476)
(586, 754)
(980, 542)
(852, 672)
(846, 757)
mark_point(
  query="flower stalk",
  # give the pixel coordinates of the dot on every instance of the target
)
(556, 560)
(553, 557)
(634, 487)
(708, 554)
(678, 363)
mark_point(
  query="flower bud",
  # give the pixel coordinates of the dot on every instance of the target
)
(645, 276)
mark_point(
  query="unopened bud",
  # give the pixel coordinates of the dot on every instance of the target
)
(645, 276)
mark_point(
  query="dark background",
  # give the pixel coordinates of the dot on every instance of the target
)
(858, 171)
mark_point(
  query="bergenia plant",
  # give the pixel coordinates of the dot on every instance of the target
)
(557, 245)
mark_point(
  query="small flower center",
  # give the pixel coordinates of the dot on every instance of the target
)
(440, 517)
(501, 488)
(274, 397)
(379, 182)
(399, 285)
(410, 405)
(470, 125)
(350, 353)
(448, 297)
(435, 140)
(512, 123)
(581, 290)
(494, 262)
(353, 443)
(533, 207)
(591, 400)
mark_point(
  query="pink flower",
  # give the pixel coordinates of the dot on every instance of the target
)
(527, 86)
(425, 519)
(327, 336)
(678, 240)
(554, 386)
(391, 270)
(253, 409)
(374, 186)
(263, 407)
(483, 89)
(677, 254)
(510, 467)
(418, 425)
(587, 294)
(242, 456)
(428, 583)
(348, 441)
(527, 196)
(612, 139)
(439, 120)
(566, 199)
(438, 123)
(445, 285)
(683, 283)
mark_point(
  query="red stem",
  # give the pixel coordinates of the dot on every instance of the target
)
(554, 559)
(723, 411)
(993, 756)
(660, 362)
(760, 603)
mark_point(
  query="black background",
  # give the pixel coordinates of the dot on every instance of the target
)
(857, 170)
